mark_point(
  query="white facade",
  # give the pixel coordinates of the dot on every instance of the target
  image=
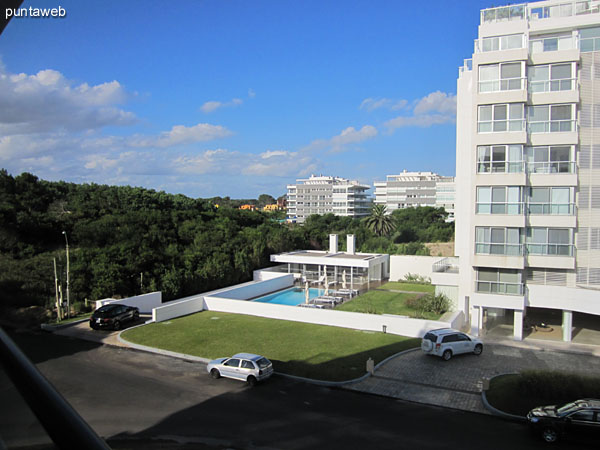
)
(528, 164)
(324, 195)
(412, 189)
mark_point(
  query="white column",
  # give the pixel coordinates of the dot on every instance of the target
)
(567, 325)
(476, 320)
(518, 325)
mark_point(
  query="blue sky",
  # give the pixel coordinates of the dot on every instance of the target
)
(234, 98)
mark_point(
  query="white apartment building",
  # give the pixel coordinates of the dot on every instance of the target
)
(324, 195)
(528, 167)
(412, 189)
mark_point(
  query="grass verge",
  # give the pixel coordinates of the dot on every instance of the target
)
(381, 302)
(306, 350)
(519, 393)
(413, 287)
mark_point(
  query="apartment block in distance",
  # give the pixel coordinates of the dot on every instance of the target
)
(325, 195)
(412, 189)
(528, 170)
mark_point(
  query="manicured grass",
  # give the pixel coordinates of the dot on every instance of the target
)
(519, 393)
(381, 302)
(306, 350)
(413, 287)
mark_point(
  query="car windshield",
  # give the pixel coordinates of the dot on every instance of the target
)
(430, 337)
(566, 409)
(263, 362)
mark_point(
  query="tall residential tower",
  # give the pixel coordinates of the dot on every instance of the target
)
(528, 166)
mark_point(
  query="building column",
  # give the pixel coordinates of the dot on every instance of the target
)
(518, 325)
(567, 325)
(476, 320)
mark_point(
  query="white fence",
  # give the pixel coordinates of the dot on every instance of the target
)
(401, 265)
(145, 302)
(399, 325)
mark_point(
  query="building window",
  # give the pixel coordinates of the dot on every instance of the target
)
(550, 159)
(501, 77)
(551, 77)
(495, 43)
(589, 39)
(499, 281)
(551, 118)
(552, 43)
(499, 200)
(498, 241)
(500, 159)
(550, 241)
(499, 118)
(550, 200)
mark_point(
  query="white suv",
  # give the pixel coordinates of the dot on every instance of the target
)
(447, 342)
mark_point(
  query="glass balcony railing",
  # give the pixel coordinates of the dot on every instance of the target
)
(503, 14)
(551, 167)
(499, 208)
(550, 249)
(566, 84)
(560, 209)
(499, 287)
(552, 126)
(498, 126)
(502, 249)
(505, 84)
(551, 44)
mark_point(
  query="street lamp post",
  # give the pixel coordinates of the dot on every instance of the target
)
(68, 300)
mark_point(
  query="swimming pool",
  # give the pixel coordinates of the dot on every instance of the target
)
(292, 296)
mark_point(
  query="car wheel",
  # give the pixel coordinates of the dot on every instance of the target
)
(549, 435)
(251, 381)
(215, 374)
(447, 355)
(478, 349)
(116, 325)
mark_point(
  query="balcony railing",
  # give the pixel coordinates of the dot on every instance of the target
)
(505, 84)
(565, 84)
(550, 44)
(565, 209)
(500, 166)
(552, 126)
(499, 287)
(551, 167)
(500, 126)
(499, 208)
(501, 249)
(551, 249)
(503, 14)
(447, 265)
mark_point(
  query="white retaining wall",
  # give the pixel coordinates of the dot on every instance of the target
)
(399, 325)
(401, 265)
(178, 308)
(145, 302)
(258, 288)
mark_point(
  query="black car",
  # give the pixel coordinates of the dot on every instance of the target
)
(580, 418)
(113, 316)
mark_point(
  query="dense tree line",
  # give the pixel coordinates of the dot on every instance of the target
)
(126, 241)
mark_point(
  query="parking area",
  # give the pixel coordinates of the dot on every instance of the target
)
(457, 383)
(82, 330)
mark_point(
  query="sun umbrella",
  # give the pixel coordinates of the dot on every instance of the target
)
(344, 279)
(326, 283)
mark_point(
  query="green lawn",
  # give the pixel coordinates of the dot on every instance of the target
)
(519, 393)
(381, 302)
(413, 287)
(307, 350)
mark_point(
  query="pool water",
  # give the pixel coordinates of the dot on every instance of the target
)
(292, 296)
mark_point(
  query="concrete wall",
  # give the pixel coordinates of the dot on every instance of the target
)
(449, 291)
(145, 302)
(401, 265)
(399, 325)
(561, 297)
(259, 288)
(178, 308)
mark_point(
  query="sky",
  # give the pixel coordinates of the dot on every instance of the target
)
(232, 97)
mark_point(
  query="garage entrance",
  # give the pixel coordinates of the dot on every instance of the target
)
(543, 323)
(586, 328)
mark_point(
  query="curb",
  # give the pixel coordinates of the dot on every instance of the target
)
(59, 326)
(496, 411)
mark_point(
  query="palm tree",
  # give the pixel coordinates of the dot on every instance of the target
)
(379, 222)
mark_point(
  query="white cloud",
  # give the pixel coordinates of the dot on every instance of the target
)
(47, 101)
(251, 93)
(181, 134)
(213, 105)
(280, 163)
(371, 104)
(436, 108)
(347, 137)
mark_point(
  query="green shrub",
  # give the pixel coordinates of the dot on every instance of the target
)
(415, 278)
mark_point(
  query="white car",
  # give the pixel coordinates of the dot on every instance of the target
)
(447, 342)
(243, 366)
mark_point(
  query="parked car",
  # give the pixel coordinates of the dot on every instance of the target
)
(243, 366)
(580, 418)
(113, 316)
(447, 342)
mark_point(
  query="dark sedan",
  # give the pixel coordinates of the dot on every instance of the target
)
(580, 418)
(113, 316)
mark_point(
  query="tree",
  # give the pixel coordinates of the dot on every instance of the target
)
(379, 222)
(265, 199)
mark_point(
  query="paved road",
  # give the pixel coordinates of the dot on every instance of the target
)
(126, 394)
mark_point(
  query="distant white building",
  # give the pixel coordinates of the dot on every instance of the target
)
(412, 189)
(324, 195)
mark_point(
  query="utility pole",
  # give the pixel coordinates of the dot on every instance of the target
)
(68, 300)
(58, 305)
